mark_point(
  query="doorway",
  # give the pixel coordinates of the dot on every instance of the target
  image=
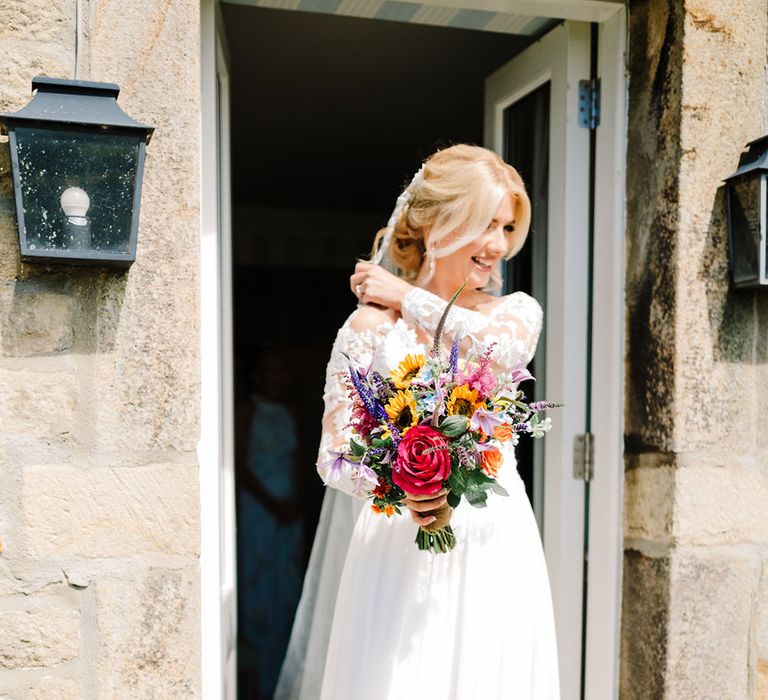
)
(314, 98)
(321, 146)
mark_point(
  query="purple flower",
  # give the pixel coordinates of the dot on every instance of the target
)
(334, 466)
(520, 373)
(453, 363)
(366, 396)
(364, 480)
(485, 420)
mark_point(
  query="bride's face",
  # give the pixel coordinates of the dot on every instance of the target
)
(477, 259)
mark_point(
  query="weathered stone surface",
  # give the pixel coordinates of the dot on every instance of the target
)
(719, 505)
(51, 687)
(149, 634)
(761, 613)
(649, 500)
(725, 42)
(653, 151)
(761, 689)
(39, 637)
(644, 621)
(37, 400)
(109, 512)
(49, 21)
(35, 321)
(709, 625)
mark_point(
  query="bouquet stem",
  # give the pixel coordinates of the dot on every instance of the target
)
(438, 536)
(436, 541)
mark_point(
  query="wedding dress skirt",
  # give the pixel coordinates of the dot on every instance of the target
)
(475, 623)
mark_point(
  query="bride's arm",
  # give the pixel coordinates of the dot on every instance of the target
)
(514, 324)
(357, 339)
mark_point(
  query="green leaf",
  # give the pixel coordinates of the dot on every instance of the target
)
(378, 442)
(477, 498)
(478, 478)
(453, 499)
(453, 426)
(355, 449)
(499, 489)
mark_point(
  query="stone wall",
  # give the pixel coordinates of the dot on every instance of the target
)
(99, 387)
(695, 580)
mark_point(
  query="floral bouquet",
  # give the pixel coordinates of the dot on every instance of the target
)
(432, 424)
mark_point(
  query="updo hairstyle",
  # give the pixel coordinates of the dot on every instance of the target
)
(453, 201)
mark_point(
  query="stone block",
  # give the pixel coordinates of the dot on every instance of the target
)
(761, 632)
(649, 498)
(50, 21)
(761, 685)
(110, 512)
(35, 321)
(149, 635)
(720, 505)
(644, 620)
(36, 401)
(51, 687)
(710, 607)
(40, 637)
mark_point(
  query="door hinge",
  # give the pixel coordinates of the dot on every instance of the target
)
(584, 456)
(589, 103)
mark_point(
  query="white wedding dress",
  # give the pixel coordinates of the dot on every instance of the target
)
(475, 623)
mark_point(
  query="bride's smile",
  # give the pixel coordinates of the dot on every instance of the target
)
(478, 259)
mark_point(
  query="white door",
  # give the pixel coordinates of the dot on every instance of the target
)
(216, 448)
(532, 102)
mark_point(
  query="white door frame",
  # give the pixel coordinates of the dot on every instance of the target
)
(566, 360)
(216, 445)
(218, 604)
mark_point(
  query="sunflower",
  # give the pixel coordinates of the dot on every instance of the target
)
(463, 401)
(401, 410)
(407, 370)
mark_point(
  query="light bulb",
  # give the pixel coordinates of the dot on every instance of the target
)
(75, 202)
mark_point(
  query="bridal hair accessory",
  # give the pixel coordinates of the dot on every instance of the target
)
(405, 197)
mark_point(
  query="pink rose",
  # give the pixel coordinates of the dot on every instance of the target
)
(422, 462)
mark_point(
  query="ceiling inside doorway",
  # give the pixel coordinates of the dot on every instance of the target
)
(335, 113)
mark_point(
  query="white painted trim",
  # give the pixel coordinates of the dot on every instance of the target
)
(581, 10)
(606, 489)
(563, 55)
(216, 446)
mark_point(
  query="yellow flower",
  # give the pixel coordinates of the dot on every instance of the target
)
(463, 401)
(407, 370)
(401, 410)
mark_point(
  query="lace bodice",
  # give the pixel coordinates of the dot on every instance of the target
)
(514, 324)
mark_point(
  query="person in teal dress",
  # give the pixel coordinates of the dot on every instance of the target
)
(270, 543)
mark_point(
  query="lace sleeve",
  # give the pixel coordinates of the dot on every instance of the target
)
(357, 339)
(514, 324)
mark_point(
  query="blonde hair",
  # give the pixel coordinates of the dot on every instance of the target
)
(452, 202)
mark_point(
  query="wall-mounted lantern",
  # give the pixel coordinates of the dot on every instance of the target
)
(77, 162)
(746, 195)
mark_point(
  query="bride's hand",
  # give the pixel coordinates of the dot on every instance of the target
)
(372, 284)
(419, 503)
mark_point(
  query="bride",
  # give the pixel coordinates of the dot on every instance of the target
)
(379, 618)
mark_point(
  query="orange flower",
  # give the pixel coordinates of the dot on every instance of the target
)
(503, 432)
(376, 509)
(389, 511)
(490, 462)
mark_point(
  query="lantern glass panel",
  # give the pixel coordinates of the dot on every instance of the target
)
(90, 175)
(745, 211)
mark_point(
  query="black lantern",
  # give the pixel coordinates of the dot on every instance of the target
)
(77, 162)
(746, 194)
